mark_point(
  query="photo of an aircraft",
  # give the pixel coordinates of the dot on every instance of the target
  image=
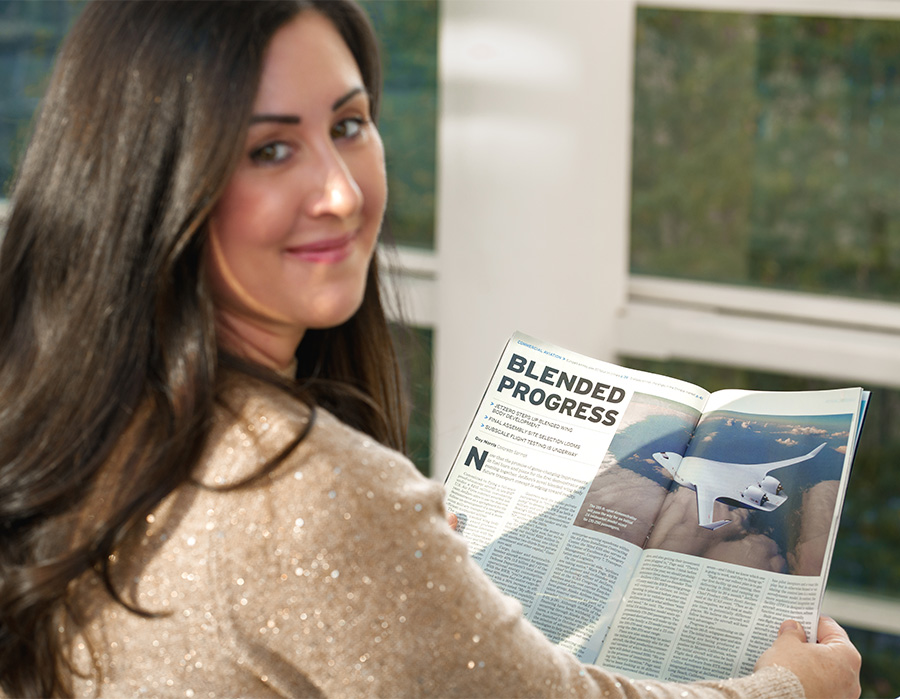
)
(748, 484)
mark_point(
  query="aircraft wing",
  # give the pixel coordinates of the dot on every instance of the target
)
(706, 500)
(762, 470)
(751, 471)
(797, 459)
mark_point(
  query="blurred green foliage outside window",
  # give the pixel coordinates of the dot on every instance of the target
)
(765, 151)
(408, 121)
(30, 33)
(415, 347)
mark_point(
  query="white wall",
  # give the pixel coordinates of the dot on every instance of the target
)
(532, 189)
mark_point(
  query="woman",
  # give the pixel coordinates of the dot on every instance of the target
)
(199, 488)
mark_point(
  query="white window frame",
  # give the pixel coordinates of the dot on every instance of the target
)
(844, 340)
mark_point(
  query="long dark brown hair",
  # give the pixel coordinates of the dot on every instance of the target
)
(108, 355)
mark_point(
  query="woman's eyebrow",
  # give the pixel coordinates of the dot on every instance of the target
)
(277, 118)
(295, 119)
(346, 98)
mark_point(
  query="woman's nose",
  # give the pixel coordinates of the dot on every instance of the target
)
(336, 191)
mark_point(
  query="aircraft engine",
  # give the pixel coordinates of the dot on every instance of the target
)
(771, 485)
(756, 495)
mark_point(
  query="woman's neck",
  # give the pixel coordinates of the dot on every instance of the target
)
(272, 347)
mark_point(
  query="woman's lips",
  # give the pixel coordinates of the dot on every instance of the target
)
(327, 250)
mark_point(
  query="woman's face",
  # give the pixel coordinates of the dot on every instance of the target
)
(291, 239)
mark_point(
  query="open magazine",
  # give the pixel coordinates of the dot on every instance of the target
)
(644, 524)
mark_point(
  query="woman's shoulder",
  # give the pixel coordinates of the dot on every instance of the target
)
(256, 423)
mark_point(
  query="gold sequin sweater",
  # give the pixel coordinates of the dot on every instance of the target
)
(336, 575)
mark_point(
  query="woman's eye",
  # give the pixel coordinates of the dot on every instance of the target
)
(347, 128)
(271, 153)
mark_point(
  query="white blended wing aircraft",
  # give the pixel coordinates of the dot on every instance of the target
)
(749, 484)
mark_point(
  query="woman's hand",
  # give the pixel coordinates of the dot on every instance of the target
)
(829, 668)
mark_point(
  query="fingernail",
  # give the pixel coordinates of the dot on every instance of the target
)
(790, 625)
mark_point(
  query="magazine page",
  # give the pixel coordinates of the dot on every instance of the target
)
(686, 618)
(555, 485)
(744, 540)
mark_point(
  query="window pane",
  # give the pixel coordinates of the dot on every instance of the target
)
(880, 676)
(765, 151)
(408, 122)
(415, 346)
(31, 33)
(865, 556)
